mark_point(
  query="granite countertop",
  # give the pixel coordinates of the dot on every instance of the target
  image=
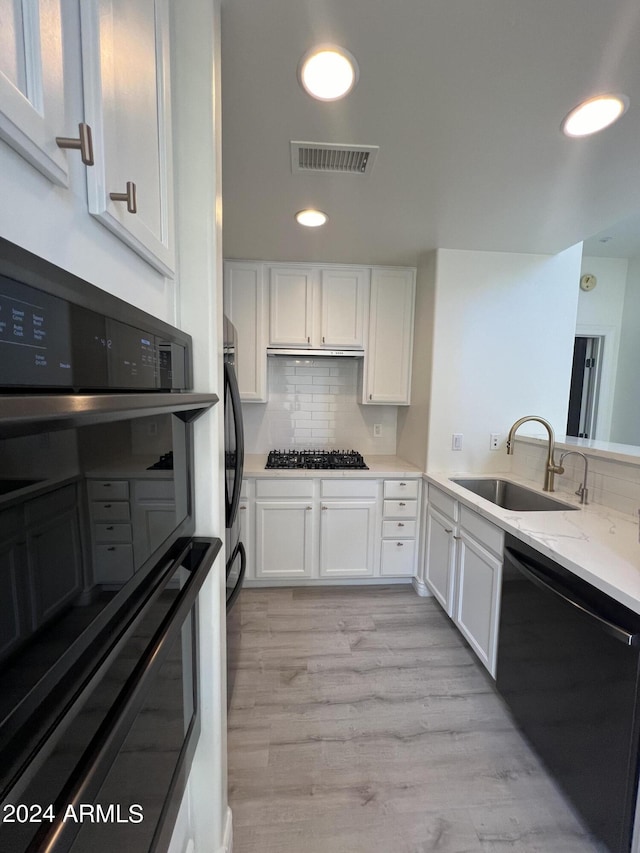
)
(379, 466)
(596, 543)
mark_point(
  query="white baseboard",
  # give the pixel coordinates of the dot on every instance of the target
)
(227, 839)
(421, 588)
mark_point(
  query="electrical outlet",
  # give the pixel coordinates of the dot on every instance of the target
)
(456, 441)
(494, 441)
(377, 430)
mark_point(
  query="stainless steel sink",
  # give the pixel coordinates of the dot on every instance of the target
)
(511, 496)
(7, 486)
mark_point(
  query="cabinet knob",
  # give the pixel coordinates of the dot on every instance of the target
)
(401, 524)
(448, 530)
(243, 507)
(110, 527)
(371, 396)
(111, 548)
(323, 339)
(308, 340)
(324, 508)
(107, 506)
(402, 503)
(400, 544)
(83, 143)
(129, 197)
(403, 484)
(457, 537)
(308, 507)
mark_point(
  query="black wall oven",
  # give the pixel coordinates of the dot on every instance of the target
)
(99, 567)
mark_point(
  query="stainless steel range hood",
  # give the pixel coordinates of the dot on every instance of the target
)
(316, 353)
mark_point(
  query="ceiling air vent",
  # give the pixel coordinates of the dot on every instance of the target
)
(328, 157)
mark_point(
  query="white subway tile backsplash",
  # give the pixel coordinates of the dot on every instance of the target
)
(315, 403)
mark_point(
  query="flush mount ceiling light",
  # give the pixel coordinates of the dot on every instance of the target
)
(328, 73)
(311, 218)
(594, 115)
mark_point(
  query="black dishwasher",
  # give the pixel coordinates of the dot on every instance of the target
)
(568, 659)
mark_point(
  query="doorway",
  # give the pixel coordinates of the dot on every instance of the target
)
(585, 386)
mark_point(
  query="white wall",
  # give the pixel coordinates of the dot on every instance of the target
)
(196, 115)
(53, 222)
(502, 348)
(600, 314)
(626, 408)
(413, 419)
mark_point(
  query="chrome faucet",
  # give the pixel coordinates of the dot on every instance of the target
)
(551, 467)
(583, 491)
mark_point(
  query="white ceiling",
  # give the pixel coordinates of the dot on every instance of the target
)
(465, 100)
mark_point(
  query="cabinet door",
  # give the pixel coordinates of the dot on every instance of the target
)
(390, 346)
(477, 599)
(31, 84)
(125, 58)
(57, 538)
(440, 558)
(398, 558)
(343, 297)
(284, 539)
(290, 307)
(347, 538)
(245, 307)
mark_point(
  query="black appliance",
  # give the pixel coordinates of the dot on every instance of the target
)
(235, 554)
(99, 567)
(316, 459)
(568, 660)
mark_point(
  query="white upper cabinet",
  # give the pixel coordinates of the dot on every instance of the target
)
(245, 306)
(387, 369)
(125, 57)
(343, 295)
(31, 84)
(317, 307)
(290, 306)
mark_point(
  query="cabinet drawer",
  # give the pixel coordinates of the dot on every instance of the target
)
(401, 488)
(484, 531)
(346, 488)
(53, 503)
(284, 488)
(112, 532)
(398, 529)
(110, 511)
(113, 563)
(154, 490)
(397, 557)
(445, 503)
(400, 509)
(117, 490)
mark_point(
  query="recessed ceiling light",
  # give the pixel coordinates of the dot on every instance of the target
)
(328, 73)
(311, 218)
(594, 115)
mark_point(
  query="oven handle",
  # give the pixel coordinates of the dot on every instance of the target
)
(89, 774)
(231, 383)
(239, 549)
(530, 572)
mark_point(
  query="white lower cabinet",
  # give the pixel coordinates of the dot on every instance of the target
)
(333, 528)
(463, 569)
(284, 539)
(347, 538)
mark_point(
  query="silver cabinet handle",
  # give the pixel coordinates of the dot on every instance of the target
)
(309, 507)
(402, 503)
(448, 530)
(457, 537)
(308, 340)
(83, 143)
(401, 524)
(403, 484)
(400, 544)
(243, 507)
(324, 508)
(129, 197)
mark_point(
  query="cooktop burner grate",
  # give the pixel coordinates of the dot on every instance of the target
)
(316, 459)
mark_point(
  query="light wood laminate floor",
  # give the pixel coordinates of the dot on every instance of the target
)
(362, 723)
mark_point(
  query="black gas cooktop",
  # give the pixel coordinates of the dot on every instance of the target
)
(327, 459)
